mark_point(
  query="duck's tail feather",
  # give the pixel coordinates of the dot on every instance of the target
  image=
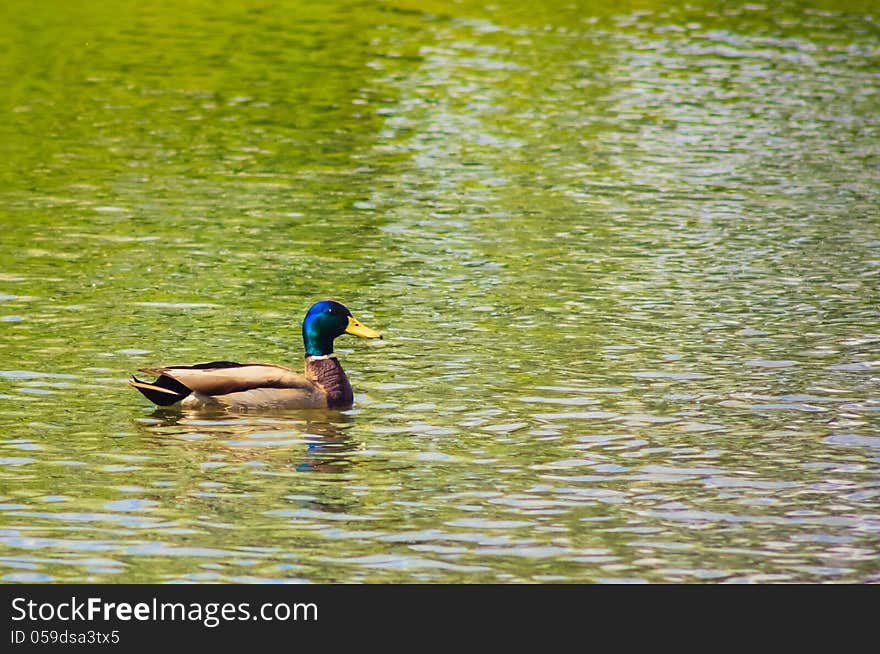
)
(165, 391)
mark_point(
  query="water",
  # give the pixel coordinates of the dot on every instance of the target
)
(625, 259)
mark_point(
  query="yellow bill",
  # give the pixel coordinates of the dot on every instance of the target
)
(354, 327)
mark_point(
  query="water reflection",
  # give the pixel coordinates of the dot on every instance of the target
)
(324, 439)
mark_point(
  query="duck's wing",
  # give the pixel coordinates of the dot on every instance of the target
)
(224, 377)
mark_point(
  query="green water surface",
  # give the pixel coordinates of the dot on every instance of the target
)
(626, 258)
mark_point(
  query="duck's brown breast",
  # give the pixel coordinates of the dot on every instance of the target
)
(327, 372)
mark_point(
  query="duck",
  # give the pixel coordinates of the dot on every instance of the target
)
(227, 385)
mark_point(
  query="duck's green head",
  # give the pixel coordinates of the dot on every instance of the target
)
(325, 321)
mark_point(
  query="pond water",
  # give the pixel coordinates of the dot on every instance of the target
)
(625, 258)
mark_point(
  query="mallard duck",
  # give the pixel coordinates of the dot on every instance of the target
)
(229, 385)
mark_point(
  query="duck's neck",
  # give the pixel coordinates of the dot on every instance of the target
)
(327, 372)
(316, 342)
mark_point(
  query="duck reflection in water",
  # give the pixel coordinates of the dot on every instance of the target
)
(326, 434)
